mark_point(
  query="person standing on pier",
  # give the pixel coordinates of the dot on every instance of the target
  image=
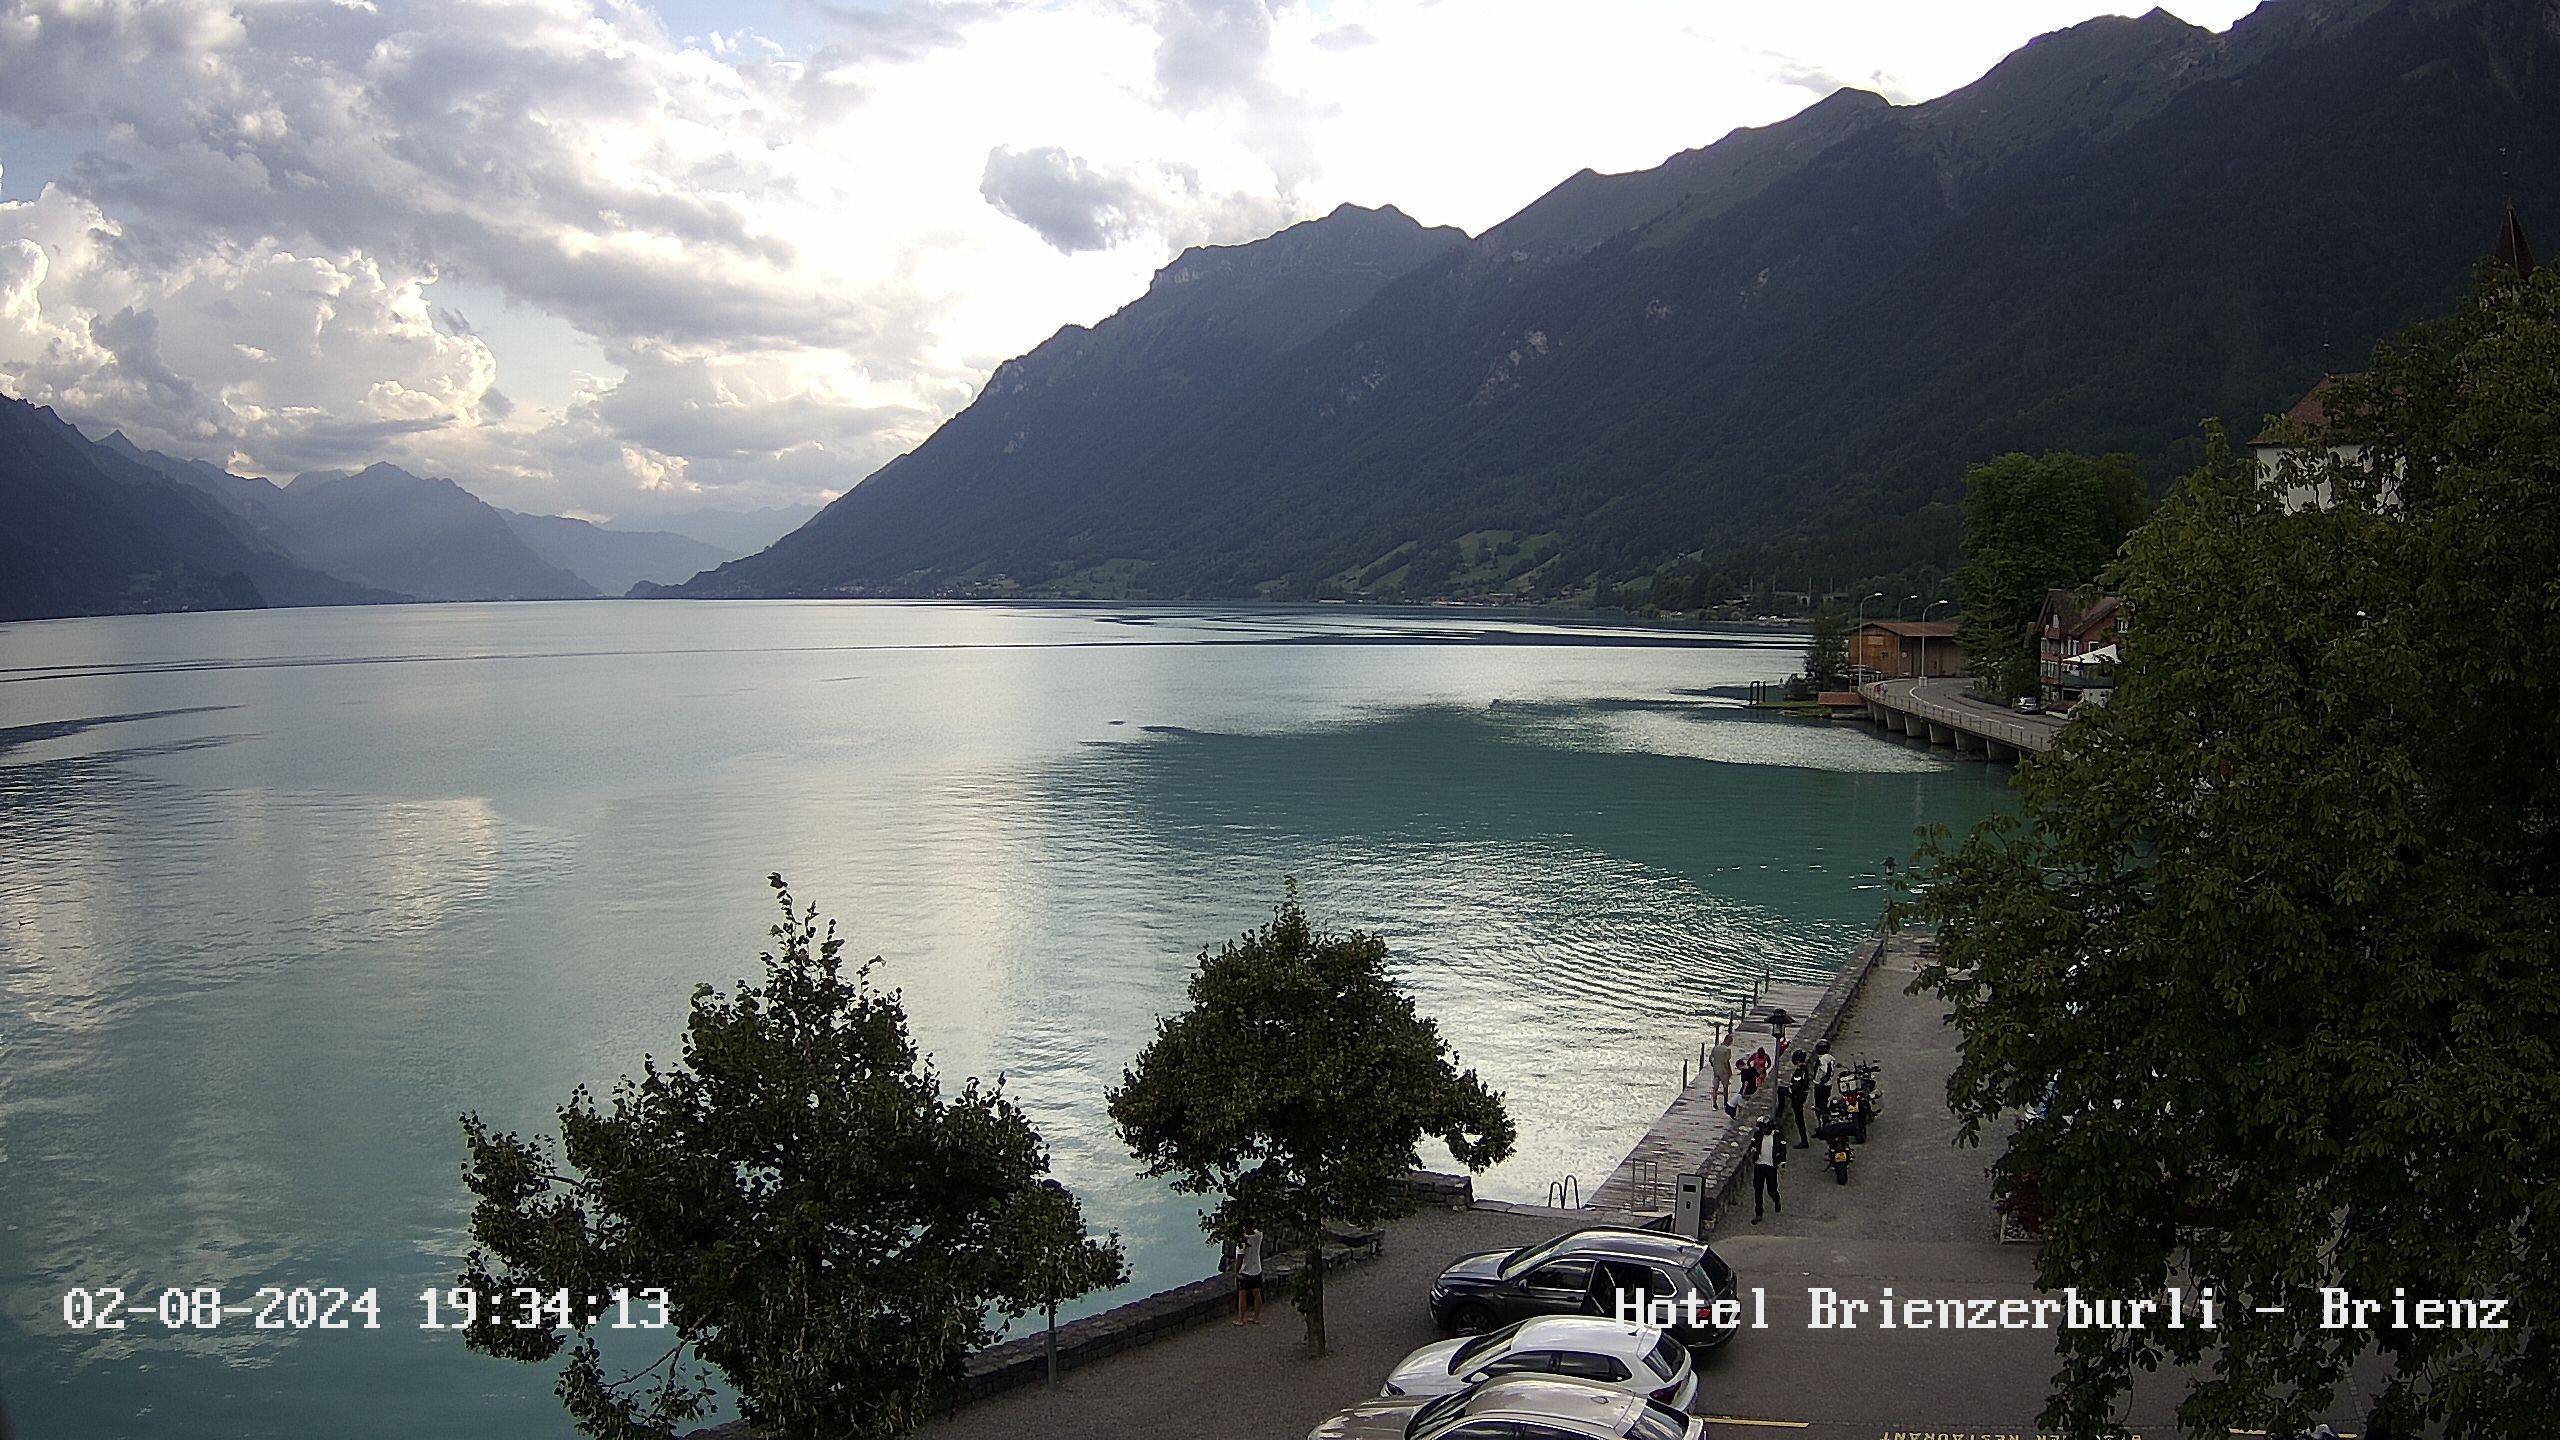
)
(1791, 1096)
(1768, 1149)
(1720, 1065)
(1825, 1071)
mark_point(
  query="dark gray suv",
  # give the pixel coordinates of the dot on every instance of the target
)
(1584, 1273)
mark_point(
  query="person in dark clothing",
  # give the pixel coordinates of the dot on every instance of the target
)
(1768, 1150)
(1799, 1080)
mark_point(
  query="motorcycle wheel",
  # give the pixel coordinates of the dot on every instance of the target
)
(1842, 1171)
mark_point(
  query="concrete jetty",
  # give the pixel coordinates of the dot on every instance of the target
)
(1645, 1183)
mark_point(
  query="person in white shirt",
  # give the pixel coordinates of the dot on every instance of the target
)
(1825, 1070)
(1720, 1066)
(1768, 1150)
(1249, 1278)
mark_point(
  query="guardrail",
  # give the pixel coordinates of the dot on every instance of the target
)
(2016, 734)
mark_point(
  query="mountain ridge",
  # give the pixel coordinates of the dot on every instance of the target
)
(1789, 366)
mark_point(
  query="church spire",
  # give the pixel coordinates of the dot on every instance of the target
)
(2512, 251)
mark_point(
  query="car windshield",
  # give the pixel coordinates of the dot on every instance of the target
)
(1528, 1255)
(1658, 1422)
(1435, 1412)
(1489, 1341)
(1664, 1357)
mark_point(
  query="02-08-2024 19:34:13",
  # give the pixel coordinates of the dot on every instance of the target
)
(332, 1307)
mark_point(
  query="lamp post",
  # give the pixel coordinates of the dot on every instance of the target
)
(1924, 635)
(1860, 629)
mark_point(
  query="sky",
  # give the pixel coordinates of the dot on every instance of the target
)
(610, 259)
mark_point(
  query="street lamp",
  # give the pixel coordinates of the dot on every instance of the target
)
(1860, 629)
(1924, 636)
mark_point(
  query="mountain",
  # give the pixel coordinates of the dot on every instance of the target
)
(613, 560)
(1057, 430)
(735, 532)
(1779, 351)
(429, 538)
(87, 530)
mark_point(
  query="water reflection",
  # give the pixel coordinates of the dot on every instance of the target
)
(281, 894)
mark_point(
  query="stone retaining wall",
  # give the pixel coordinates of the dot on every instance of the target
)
(1025, 1359)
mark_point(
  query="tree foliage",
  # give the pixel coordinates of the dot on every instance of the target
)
(829, 1228)
(1297, 1088)
(2272, 940)
(1054, 1259)
(2033, 523)
(1826, 654)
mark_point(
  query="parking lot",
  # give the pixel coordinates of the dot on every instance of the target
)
(1914, 1217)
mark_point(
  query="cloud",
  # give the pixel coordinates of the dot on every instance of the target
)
(297, 357)
(1075, 205)
(1072, 205)
(1216, 55)
(906, 31)
(1343, 37)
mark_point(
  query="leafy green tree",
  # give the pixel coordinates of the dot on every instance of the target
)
(2033, 523)
(827, 1227)
(1055, 1258)
(1297, 1087)
(1826, 654)
(2268, 954)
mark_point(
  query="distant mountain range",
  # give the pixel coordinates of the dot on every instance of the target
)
(108, 527)
(1779, 352)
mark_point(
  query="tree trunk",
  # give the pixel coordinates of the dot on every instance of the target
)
(1312, 1298)
(1053, 1345)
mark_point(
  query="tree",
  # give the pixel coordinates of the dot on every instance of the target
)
(827, 1228)
(1826, 655)
(1056, 1260)
(2033, 523)
(1297, 1087)
(2268, 953)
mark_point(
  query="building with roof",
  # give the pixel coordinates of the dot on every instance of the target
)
(2076, 648)
(1896, 648)
(2282, 463)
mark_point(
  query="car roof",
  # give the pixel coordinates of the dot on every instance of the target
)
(1550, 1397)
(1633, 1245)
(1593, 1333)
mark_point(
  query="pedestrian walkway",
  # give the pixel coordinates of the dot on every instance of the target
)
(1689, 1127)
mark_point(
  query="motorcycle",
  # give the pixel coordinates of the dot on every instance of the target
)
(1862, 1095)
(1838, 1127)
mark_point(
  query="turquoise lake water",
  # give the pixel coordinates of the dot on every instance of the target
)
(283, 893)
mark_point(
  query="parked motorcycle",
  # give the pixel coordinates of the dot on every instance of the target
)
(1862, 1094)
(1835, 1132)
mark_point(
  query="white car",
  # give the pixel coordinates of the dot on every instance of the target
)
(1638, 1359)
(1508, 1407)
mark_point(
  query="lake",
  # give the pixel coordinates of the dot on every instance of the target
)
(283, 893)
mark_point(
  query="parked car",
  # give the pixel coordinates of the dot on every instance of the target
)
(2028, 705)
(1636, 1358)
(1583, 1273)
(1515, 1407)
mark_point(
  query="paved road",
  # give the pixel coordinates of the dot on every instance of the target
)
(1914, 1216)
(1953, 697)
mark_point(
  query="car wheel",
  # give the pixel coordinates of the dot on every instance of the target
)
(1470, 1320)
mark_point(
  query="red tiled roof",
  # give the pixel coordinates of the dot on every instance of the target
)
(1913, 629)
(2311, 412)
(2099, 614)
